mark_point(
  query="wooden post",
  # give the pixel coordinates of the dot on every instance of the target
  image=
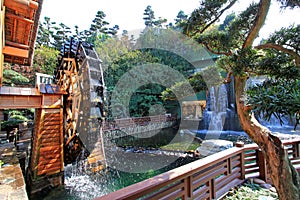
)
(229, 170)
(242, 160)
(296, 152)
(188, 187)
(262, 164)
(212, 189)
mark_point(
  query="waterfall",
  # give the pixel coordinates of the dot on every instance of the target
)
(217, 110)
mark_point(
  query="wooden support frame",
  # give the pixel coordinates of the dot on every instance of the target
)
(17, 45)
(21, 4)
(262, 164)
(19, 18)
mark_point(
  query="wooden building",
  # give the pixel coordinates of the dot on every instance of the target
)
(18, 31)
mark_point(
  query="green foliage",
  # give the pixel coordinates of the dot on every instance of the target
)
(244, 61)
(99, 23)
(149, 18)
(278, 60)
(45, 59)
(277, 64)
(277, 97)
(16, 117)
(52, 34)
(208, 12)
(45, 32)
(62, 34)
(227, 41)
(181, 20)
(250, 191)
(199, 81)
(229, 18)
(291, 37)
(289, 3)
(12, 78)
(143, 100)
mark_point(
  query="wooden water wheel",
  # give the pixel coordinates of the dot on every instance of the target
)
(80, 75)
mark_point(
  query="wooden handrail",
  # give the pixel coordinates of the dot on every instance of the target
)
(210, 177)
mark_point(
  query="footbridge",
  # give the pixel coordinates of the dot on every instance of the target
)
(136, 125)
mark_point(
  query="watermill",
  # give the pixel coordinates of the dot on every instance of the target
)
(80, 76)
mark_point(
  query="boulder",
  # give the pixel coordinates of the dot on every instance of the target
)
(258, 181)
(209, 147)
(266, 186)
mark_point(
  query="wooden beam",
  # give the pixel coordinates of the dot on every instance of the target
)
(17, 45)
(21, 4)
(13, 51)
(19, 18)
(34, 31)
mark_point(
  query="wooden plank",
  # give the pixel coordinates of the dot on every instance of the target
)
(201, 192)
(14, 44)
(226, 179)
(13, 51)
(49, 144)
(47, 149)
(54, 118)
(53, 135)
(50, 140)
(49, 171)
(208, 177)
(251, 165)
(56, 127)
(51, 122)
(168, 190)
(227, 187)
(48, 166)
(21, 4)
(44, 161)
(50, 156)
(7, 101)
(49, 132)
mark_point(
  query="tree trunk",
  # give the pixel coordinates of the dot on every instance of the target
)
(284, 176)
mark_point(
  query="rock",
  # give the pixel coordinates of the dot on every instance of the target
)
(209, 147)
(265, 198)
(258, 181)
(266, 185)
(273, 189)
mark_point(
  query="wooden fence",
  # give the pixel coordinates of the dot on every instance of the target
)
(207, 178)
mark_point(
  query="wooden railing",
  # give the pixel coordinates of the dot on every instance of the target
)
(207, 178)
(43, 78)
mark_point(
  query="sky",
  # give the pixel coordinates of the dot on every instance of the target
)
(128, 14)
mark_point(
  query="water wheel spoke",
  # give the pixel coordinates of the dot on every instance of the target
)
(80, 76)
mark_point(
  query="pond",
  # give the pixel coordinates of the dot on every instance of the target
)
(129, 160)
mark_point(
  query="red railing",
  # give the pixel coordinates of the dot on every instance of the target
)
(207, 178)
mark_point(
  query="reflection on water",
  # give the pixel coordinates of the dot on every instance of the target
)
(143, 157)
(88, 186)
(81, 185)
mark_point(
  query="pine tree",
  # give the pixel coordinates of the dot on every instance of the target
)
(149, 17)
